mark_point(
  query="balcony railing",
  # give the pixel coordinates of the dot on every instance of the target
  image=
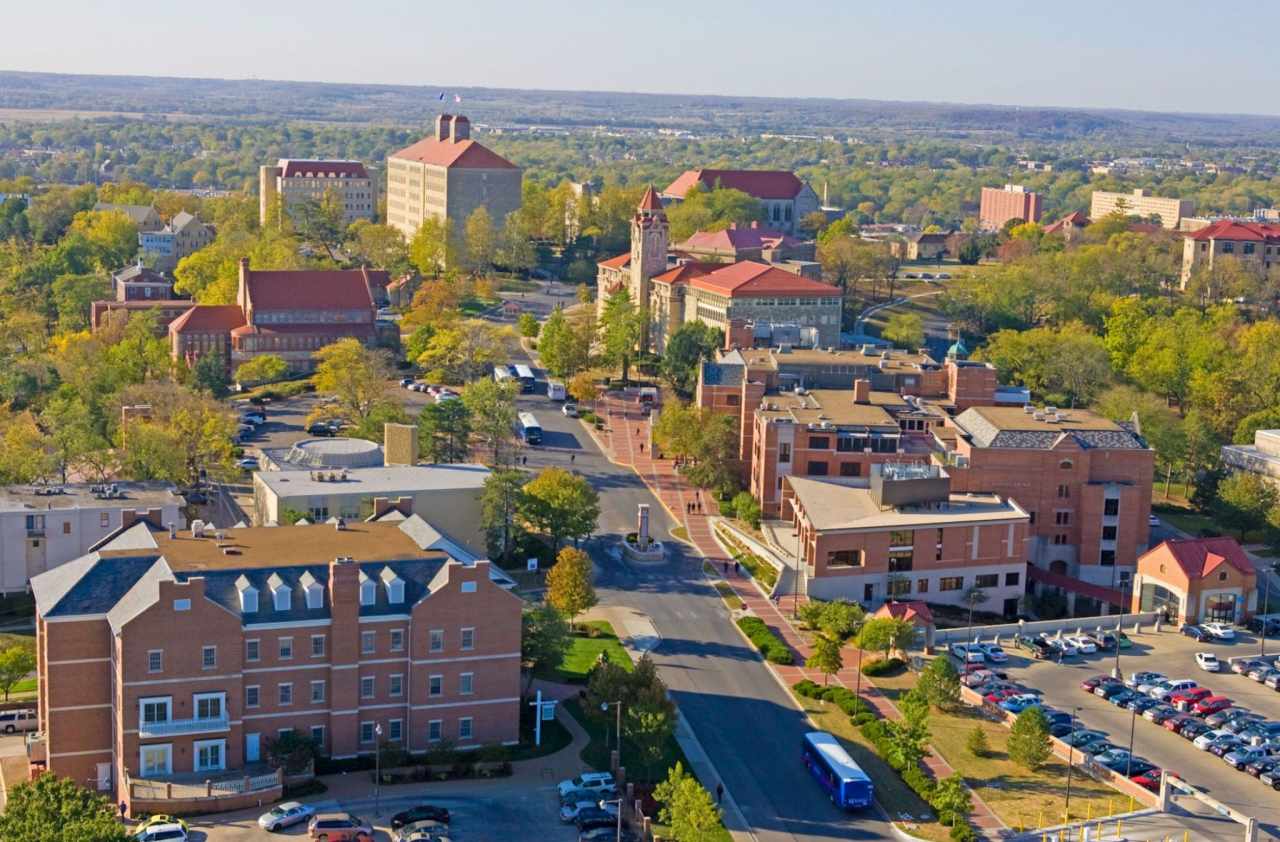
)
(173, 727)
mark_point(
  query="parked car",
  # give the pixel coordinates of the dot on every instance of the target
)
(13, 721)
(1264, 764)
(1211, 704)
(159, 819)
(999, 694)
(1037, 648)
(1164, 689)
(1242, 666)
(420, 813)
(1083, 736)
(423, 831)
(1219, 631)
(1271, 778)
(1261, 674)
(1246, 754)
(1184, 699)
(248, 463)
(569, 410)
(1140, 704)
(1112, 758)
(569, 812)
(967, 654)
(1208, 738)
(338, 827)
(1083, 642)
(1020, 702)
(1159, 714)
(600, 782)
(1273, 680)
(1099, 747)
(1243, 723)
(1125, 696)
(1063, 647)
(994, 652)
(1109, 689)
(977, 678)
(284, 815)
(1153, 521)
(1060, 729)
(406, 382)
(172, 832)
(1208, 662)
(597, 817)
(1265, 625)
(1148, 780)
(1222, 717)
(1220, 748)
(1259, 732)
(1187, 726)
(1105, 640)
(1092, 683)
(1194, 632)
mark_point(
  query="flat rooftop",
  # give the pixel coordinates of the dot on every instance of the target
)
(283, 546)
(1014, 427)
(388, 479)
(832, 505)
(132, 495)
(894, 360)
(835, 406)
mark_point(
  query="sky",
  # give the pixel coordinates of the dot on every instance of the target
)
(1154, 56)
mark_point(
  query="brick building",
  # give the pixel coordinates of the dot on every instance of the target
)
(1069, 227)
(1195, 580)
(289, 313)
(183, 235)
(998, 205)
(905, 535)
(1141, 204)
(1255, 245)
(447, 176)
(751, 242)
(1084, 480)
(170, 656)
(293, 181)
(785, 198)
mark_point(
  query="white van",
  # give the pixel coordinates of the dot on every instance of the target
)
(556, 391)
(13, 721)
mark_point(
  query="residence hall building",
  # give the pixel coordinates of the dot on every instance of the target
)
(1138, 203)
(183, 235)
(144, 217)
(138, 288)
(1197, 580)
(785, 198)
(998, 205)
(42, 527)
(904, 534)
(1084, 480)
(1069, 227)
(173, 654)
(447, 176)
(288, 313)
(1261, 458)
(293, 181)
(1255, 245)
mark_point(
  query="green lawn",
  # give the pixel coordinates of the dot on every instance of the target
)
(26, 685)
(555, 737)
(593, 638)
(8, 639)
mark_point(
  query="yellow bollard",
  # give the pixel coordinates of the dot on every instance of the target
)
(1119, 826)
(1130, 803)
(1110, 806)
(1088, 810)
(1186, 836)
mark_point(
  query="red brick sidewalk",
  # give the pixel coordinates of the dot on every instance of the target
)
(626, 442)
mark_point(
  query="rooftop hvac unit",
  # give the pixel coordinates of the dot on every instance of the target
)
(1039, 416)
(1028, 408)
(1051, 410)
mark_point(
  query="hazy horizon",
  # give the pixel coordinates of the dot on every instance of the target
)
(1094, 56)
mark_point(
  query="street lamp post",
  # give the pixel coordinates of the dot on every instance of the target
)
(377, 769)
(617, 706)
(1070, 748)
(617, 801)
(1115, 672)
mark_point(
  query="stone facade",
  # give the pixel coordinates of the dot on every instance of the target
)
(293, 181)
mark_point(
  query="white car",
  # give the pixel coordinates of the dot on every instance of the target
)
(968, 654)
(592, 781)
(995, 654)
(1219, 631)
(1208, 662)
(1208, 738)
(1083, 642)
(162, 833)
(1153, 521)
(1165, 689)
(284, 815)
(570, 410)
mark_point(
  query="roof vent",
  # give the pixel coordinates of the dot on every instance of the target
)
(173, 530)
(197, 528)
(219, 535)
(230, 551)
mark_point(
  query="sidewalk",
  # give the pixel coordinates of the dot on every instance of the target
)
(626, 429)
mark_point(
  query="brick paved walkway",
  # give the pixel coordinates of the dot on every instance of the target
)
(626, 430)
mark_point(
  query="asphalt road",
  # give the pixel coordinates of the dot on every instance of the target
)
(742, 717)
(1172, 654)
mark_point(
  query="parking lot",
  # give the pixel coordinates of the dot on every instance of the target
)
(1172, 654)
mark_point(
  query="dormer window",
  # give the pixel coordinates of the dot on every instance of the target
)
(314, 591)
(368, 589)
(248, 596)
(394, 585)
(281, 593)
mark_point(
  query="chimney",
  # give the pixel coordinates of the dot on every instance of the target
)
(444, 126)
(861, 391)
(380, 506)
(242, 289)
(400, 444)
(173, 530)
(461, 129)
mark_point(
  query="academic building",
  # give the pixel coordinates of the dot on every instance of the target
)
(293, 181)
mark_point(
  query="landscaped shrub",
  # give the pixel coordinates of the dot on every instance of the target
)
(961, 832)
(808, 689)
(769, 644)
(863, 718)
(844, 699)
(882, 666)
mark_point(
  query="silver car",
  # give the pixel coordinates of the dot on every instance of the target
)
(284, 815)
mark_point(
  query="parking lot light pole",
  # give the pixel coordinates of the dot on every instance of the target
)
(1115, 672)
(617, 706)
(617, 801)
(1067, 810)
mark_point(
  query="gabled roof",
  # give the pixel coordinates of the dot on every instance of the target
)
(312, 289)
(748, 278)
(1075, 219)
(138, 274)
(622, 261)
(1199, 557)
(1230, 229)
(467, 154)
(912, 611)
(304, 168)
(762, 184)
(207, 318)
(685, 272)
(137, 214)
(737, 237)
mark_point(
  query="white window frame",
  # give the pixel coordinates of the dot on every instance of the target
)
(395, 730)
(280, 644)
(256, 644)
(395, 685)
(318, 738)
(150, 654)
(318, 700)
(368, 642)
(323, 645)
(397, 640)
(432, 636)
(155, 700)
(257, 688)
(197, 698)
(204, 657)
(198, 745)
(142, 766)
(373, 736)
(462, 638)
(280, 690)
(435, 686)
(372, 683)
(437, 726)
(470, 724)
(466, 684)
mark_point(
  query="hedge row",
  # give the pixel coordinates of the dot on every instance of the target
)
(841, 697)
(923, 785)
(882, 666)
(769, 644)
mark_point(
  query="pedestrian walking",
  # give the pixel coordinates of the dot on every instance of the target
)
(123, 807)
(524, 460)
(725, 564)
(642, 447)
(737, 568)
(719, 793)
(572, 456)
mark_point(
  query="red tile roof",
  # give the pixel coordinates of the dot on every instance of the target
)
(1198, 557)
(686, 272)
(763, 184)
(734, 238)
(906, 611)
(747, 278)
(1230, 229)
(650, 200)
(312, 289)
(208, 318)
(296, 168)
(619, 262)
(1080, 586)
(1076, 218)
(447, 153)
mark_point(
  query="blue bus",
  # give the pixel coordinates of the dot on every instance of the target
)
(528, 428)
(833, 768)
(525, 375)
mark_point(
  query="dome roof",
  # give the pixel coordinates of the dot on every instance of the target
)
(335, 453)
(958, 350)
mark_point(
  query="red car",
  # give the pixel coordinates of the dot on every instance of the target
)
(1150, 779)
(1211, 704)
(995, 697)
(1175, 723)
(1184, 699)
(1090, 684)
